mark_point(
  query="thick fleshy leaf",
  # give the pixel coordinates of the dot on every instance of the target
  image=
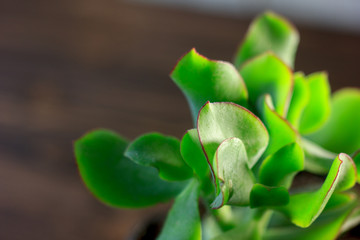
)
(193, 154)
(226, 217)
(265, 196)
(317, 159)
(161, 152)
(327, 227)
(115, 179)
(279, 168)
(299, 100)
(280, 131)
(356, 158)
(352, 220)
(317, 110)
(203, 80)
(250, 229)
(341, 133)
(269, 32)
(267, 74)
(220, 121)
(233, 174)
(337, 201)
(304, 208)
(183, 220)
(247, 232)
(210, 227)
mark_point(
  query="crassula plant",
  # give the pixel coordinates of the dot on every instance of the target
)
(257, 124)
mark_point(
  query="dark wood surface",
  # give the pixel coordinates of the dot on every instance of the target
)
(73, 65)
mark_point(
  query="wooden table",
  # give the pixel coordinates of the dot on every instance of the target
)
(72, 65)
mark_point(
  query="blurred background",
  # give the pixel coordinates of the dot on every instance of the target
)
(73, 65)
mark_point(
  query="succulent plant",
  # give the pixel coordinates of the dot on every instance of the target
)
(257, 124)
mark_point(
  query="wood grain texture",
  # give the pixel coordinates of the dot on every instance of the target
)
(73, 65)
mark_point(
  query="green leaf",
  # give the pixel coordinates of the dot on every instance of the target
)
(341, 133)
(161, 152)
(356, 158)
(226, 217)
(220, 121)
(233, 174)
(210, 227)
(115, 179)
(248, 230)
(280, 131)
(265, 196)
(317, 110)
(203, 80)
(326, 227)
(336, 202)
(304, 208)
(352, 220)
(267, 74)
(317, 159)
(193, 154)
(183, 221)
(279, 168)
(299, 100)
(272, 32)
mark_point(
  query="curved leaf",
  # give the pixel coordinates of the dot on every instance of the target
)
(161, 152)
(317, 159)
(233, 173)
(210, 227)
(280, 131)
(267, 74)
(326, 227)
(269, 32)
(279, 168)
(299, 100)
(265, 196)
(220, 121)
(226, 217)
(183, 221)
(318, 109)
(193, 154)
(304, 208)
(341, 133)
(249, 230)
(203, 80)
(356, 158)
(352, 220)
(115, 179)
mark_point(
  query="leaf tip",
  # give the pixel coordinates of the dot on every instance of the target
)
(191, 52)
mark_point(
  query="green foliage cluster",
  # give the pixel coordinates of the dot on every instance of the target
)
(257, 124)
